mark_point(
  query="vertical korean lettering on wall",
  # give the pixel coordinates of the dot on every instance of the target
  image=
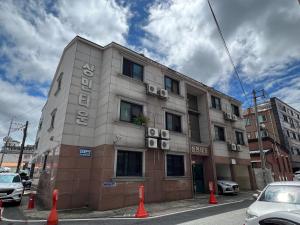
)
(84, 98)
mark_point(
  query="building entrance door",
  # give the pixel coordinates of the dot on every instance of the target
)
(198, 178)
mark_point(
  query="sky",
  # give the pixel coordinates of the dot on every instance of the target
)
(263, 38)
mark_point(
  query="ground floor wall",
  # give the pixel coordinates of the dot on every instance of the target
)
(92, 181)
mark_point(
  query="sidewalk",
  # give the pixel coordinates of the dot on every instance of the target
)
(154, 209)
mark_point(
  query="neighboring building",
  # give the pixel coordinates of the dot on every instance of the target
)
(9, 154)
(277, 154)
(288, 122)
(94, 143)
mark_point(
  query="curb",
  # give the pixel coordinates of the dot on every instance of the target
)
(122, 218)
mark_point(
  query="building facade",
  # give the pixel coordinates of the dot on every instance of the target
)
(278, 158)
(115, 119)
(288, 122)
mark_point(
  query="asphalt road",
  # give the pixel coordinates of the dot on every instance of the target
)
(230, 214)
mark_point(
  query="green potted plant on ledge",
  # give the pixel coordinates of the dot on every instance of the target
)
(141, 120)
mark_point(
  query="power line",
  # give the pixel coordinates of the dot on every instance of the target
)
(227, 51)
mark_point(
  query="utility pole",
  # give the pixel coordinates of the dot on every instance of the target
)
(22, 147)
(260, 145)
(7, 139)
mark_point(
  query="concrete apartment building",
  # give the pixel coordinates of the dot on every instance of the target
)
(277, 154)
(115, 119)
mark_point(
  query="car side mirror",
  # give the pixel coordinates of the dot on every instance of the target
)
(255, 196)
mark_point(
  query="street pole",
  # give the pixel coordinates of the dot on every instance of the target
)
(5, 146)
(260, 145)
(22, 147)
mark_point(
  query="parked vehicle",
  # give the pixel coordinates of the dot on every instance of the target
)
(276, 197)
(26, 181)
(280, 218)
(11, 187)
(4, 170)
(297, 176)
(228, 187)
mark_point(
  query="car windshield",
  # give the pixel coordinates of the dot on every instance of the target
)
(9, 179)
(281, 194)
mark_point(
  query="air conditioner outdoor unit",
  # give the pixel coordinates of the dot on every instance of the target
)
(238, 147)
(151, 89)
(232, 146)
(163, 93)
(164, 134)
(151, 143)
(164, 144)
(152, 132)
(234, 117)
(227, 116)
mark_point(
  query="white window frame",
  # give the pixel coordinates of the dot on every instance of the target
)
(129, 100)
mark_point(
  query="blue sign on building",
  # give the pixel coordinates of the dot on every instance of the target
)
(85, 152)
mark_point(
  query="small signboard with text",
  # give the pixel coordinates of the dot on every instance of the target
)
(199, 150)
(85, 152)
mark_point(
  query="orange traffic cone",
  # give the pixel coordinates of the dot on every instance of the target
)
(141, 211)
(212, 198)
(53, 218)
(31, 201)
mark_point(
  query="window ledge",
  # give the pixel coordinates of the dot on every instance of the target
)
(131, 79)
(127, 124)
(175, 95)
(177, 133)
(177, 178)
(217, 110)
(128, 179)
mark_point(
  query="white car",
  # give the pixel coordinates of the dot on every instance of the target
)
(228, 187)
(278, 218)
(276, 197)
(11, 187)
(297, 176)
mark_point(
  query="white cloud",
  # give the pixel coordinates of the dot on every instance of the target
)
(262, 36)
(32, 38)
(15, 101)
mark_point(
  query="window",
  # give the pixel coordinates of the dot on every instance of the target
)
(52, 119)
(133, 70)
(216, 102)
(288, 133)
(299, 137)
(294, 136)
(219, 133)
(173, 122)
(298, 116)
(292, 123)
(175, 165)
(172, 85)
(59, 79)
(247, 121)
(37, 143)
(130, 112)
(235, 110)
(292, 113)
(239, 138)
(285, 118)
(263, 133)
(262, 118)
(45, 162)
(194, 127)
(40, 125)
(193, 103)
(129, 163)
(298, 151)
(283, 108)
